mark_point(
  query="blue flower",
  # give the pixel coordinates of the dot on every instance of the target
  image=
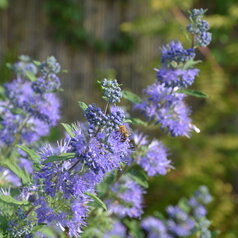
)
(111, 90)
(117, 230)
(166, 108)
(154, 227)
(128, 198)
(176, 77)
(174, 52)
(199, 28)
(155, 161)
(43, 107)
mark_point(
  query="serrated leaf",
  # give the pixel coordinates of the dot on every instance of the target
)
(97, 200)
(193, 93)
(61, 157)
(68, 129)
(136, 121)
(132, 97)
(10, 200)
(30, 76)
(20, 173)
(139, 176)
(83, 105)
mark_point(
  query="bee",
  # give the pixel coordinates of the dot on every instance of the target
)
(124, 133)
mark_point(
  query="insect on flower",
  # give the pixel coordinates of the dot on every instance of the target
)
(124, 133)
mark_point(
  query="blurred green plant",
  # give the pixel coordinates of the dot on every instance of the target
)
(66, 18)
(4, 3)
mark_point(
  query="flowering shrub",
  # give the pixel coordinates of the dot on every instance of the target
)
(91, 183)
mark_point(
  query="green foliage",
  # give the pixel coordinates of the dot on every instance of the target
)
(134, 228)
(194, 93)
(136, 121)
(130, 96)
(82, 105)
(4, 3)
(99, 222)
(97, 200)
(61, 157)
(30, 76)
(139, 176)
(66, 18)
(69, 129)
(20, 173)
(12, 201)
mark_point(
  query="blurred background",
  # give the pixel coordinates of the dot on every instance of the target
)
(93, 39)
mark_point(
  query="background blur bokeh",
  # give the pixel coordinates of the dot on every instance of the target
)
(121, 38)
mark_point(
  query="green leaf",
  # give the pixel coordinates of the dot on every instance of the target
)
(215, 233)
(194, 93)
(20, 173)
(37, 63)
(134, 228)
(136, 121)
(10, 200)
(83, 105)
(97, 200)
(190, 63)
(30, 76)
(17, 111)
(61, 157)
(132, 97)
(139, 176)
(44, 229)
(183, 205)
(2, 92)
(29, 151)
(69, 129)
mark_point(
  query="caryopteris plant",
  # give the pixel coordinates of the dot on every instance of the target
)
(92, 182)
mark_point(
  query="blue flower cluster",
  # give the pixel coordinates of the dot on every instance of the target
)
(22, 228)
(152, 156)
(98, 119)
(166, 107)
(128, 198)
(154, 228)
(199, 28)
(163, 103)
(94, 155)
(100, 157)
(25, 113)
(118, 230)
(175, 53)
(111, 90)
(184, 220)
